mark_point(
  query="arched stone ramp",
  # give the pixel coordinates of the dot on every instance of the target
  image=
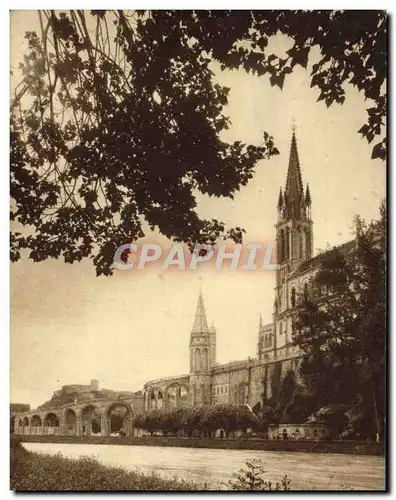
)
(118, 419)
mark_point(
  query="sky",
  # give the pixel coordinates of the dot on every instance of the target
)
(68, 326)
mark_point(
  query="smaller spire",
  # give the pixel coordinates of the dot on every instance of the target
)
(200, 323)
(308, 200)
(260, 321)
(280, 199)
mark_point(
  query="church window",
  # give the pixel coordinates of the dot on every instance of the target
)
(205, 359)
(308, 244)
(198, 360)
(282, 246)
(300, 241)
(293, 297)
(287, 237)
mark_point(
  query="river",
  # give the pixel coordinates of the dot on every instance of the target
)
(307, 471)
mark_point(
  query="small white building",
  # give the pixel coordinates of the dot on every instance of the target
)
(312, 431)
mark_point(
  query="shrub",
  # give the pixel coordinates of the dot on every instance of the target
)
(251, 478)
(15, 442)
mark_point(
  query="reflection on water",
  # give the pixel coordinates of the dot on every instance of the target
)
(307, 471)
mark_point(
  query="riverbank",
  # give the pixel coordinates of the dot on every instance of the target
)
(344, 447)
(37, 472)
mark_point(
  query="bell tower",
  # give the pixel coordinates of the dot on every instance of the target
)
(294, 236)
(202, 356)
(294, 242)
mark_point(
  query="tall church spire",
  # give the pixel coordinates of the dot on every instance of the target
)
(200, 323)
(294, 227)
(294, 186)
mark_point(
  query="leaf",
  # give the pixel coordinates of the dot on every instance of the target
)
(277, 80)
(379, 151)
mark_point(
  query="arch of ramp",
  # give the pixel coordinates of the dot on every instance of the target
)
(91, 422)
(70, 422)
(36, 421)
(51, 423)
(183, 391)
(36, 424)
(160, 400)
(173, 395)
(113, 425)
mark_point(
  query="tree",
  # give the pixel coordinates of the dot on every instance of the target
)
(301, 406)
(227, 417)
(287, 390)
(151, 422)
(334, 417)
(341, 326)
(86, 167)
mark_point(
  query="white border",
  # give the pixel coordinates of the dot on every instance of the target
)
(4, 183)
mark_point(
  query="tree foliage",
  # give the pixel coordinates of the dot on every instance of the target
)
(204, 420)
(341, 326)
(118, 118)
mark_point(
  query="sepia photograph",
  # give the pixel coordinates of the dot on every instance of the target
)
(198, 247)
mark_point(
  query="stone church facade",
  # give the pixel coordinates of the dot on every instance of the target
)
(247, 381)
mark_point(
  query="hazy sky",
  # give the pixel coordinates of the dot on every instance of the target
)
(69, 326)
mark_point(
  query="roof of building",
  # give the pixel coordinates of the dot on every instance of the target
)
(345, 248)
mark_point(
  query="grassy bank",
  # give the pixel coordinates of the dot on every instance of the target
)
(37, 472)
(345, 447)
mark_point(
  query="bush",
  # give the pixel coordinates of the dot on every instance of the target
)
(251, 478)
(15, 442)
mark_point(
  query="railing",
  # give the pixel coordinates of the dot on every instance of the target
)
(232, 366)
(164, 379)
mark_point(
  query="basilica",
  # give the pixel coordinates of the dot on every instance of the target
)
(73, 409)
(249, 380)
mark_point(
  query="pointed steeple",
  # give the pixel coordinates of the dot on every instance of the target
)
(280, 199)
(308, 200)
(294, 186)
(260, 322)
(200, 323)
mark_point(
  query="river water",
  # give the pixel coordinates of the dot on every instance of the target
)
(307, 471)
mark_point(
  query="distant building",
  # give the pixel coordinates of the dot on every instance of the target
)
(308, 431)
(16, 408)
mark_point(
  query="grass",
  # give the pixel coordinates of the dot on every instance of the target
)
(38, 472)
